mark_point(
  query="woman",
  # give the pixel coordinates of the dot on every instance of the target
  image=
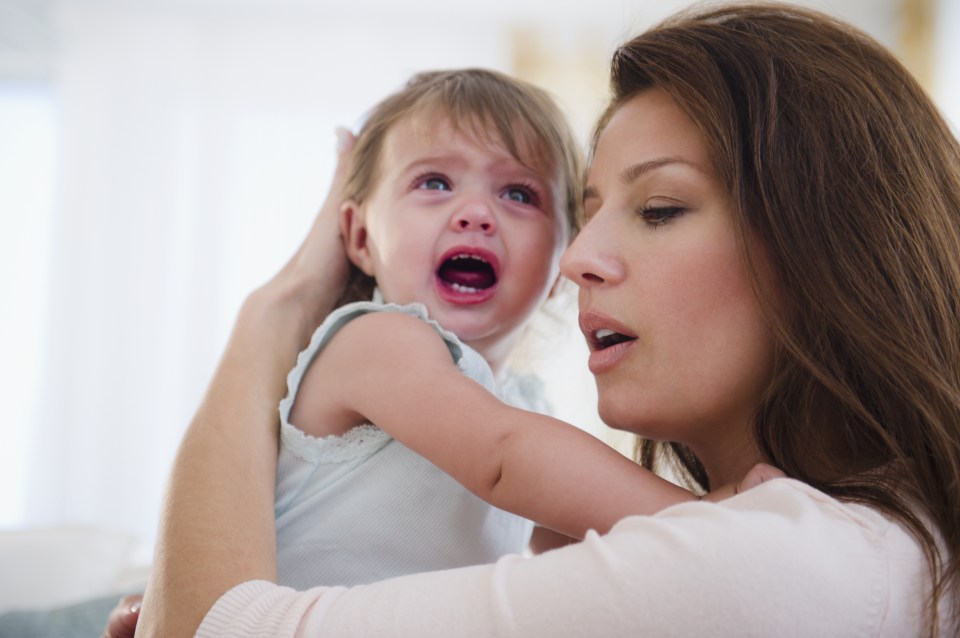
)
(770, 271)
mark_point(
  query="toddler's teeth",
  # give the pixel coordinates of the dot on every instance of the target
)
(460, 288)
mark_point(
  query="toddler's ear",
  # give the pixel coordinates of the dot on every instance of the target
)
(353, 228)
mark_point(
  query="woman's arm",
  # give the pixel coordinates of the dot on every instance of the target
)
(217, 526)
(123, 618)
(753, 565)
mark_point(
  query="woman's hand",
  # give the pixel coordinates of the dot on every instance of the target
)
(316, 274)
(217, 528)
(122, 621)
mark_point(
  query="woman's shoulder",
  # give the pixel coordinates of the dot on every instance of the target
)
(797, 501)
(790, 517)
(794, 548)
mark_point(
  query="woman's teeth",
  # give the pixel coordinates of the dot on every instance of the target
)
(605, 337)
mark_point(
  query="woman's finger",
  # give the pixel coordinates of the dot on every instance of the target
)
(122, 621)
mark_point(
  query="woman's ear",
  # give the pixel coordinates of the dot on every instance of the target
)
(353, 228)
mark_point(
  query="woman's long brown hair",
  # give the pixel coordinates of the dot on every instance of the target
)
(839, 162)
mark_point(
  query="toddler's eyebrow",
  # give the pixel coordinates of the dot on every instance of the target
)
(432, 160)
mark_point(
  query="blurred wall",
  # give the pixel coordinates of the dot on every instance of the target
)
(160, 159)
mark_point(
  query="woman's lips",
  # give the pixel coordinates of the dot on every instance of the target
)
(608, 340)
(601, 361)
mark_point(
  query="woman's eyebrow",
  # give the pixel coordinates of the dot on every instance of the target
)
(634, 171)
(631, 173)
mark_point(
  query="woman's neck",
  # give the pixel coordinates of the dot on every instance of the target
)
(727, 462)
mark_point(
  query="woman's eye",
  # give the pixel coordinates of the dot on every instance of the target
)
(434, 184)
(659, 215)
(520, 195)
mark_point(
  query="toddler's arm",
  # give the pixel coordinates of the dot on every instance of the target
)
(393, 370)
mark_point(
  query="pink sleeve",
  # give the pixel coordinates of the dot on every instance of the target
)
(780, 559)
(260, 608)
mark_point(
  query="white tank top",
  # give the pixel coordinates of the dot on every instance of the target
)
(362, 507)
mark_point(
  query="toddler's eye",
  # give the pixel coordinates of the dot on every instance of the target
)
(434, 184)
(520, 195)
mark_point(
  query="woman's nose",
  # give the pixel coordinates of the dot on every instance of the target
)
(590, 261)
(476, 214)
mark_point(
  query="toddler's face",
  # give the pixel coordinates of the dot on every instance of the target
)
(463, 227)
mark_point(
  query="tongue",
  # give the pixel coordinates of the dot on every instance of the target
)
(465, 272)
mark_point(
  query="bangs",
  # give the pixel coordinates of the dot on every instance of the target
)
(493, 124)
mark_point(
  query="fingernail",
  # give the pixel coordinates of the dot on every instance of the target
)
(343, 139)
(135, 608)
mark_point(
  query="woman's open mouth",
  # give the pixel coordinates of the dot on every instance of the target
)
(609, 342)
(605, 338)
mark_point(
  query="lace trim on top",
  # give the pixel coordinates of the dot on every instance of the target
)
(359, 441)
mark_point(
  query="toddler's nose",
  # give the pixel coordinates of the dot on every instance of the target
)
(475, 214)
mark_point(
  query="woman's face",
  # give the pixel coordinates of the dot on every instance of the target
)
(678, 344)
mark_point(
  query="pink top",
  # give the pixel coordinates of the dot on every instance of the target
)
(781, 559)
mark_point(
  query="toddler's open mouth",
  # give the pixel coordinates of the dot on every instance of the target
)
(467, 273)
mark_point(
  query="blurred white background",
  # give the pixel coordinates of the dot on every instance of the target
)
(160, 158)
